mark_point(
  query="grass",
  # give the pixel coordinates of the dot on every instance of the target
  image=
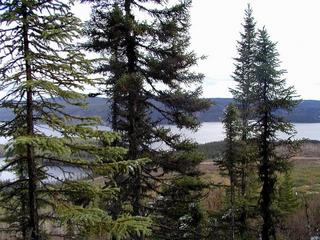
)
(305, 171)
(306, 179)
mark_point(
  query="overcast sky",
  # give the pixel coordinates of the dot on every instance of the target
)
(294, 24)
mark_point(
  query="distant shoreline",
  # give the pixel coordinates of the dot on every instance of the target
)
(307, 111)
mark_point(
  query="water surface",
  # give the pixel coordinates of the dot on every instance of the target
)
(208, 132)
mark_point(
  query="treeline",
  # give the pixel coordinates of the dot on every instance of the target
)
(151, 187)
(305, 112)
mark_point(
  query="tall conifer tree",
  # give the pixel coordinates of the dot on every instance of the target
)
(151, 41)
(287, 201)
(244, 74)
(245, 78)
(41, 69)
(271, 95)
(230, 162)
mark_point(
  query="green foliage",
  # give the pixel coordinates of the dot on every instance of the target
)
(241, 197)
(286, 200)
(146, 64)
(97, 223)
(41, 71)
(260, 94)
(181, 213)
(212, 150)
(232, 127)
(244, 74)
(243, 94)
(271, 94)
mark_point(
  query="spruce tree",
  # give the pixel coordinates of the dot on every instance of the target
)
(230, 162)
(230, 165)
(41, 70)
(150, 40)
(244, 76)
(287, 201)
(271, 94)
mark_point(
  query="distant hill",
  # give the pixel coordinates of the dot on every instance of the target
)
(308, 111)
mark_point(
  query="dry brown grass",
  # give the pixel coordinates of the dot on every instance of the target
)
(305, 222)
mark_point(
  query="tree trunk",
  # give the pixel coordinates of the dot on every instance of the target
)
(268, 231)
(244, 171)
(232, 196)
(116, 97)
(32, 178)
(134, 113)
(23, 198)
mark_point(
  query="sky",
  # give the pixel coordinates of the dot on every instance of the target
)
(216, 27)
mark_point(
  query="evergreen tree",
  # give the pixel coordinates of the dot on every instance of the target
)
(230, 162)
(230, 165)
(244, 76)
(271, 95)
(149, 43)
(287, 200)
(41, 70)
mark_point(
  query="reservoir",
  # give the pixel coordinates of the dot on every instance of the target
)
(208, 132)
(213, 131)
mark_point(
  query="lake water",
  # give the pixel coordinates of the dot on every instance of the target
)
(208, 132)
(54, 173)
(213, 131)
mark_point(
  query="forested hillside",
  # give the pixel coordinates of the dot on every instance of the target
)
(308, 111)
